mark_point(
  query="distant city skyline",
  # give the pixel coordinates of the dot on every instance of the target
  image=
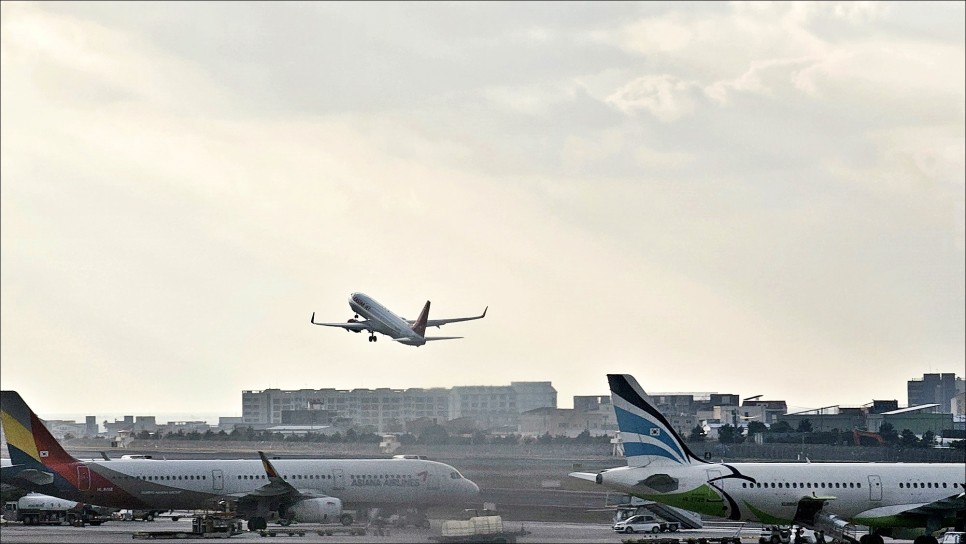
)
(212, 417)
(760, 198)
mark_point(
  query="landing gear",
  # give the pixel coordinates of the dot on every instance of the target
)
(257, 523)
(372, 338)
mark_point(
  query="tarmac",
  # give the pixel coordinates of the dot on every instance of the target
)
(548, 532)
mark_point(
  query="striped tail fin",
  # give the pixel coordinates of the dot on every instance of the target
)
(28, 440)
(647, 436)
(420, 325)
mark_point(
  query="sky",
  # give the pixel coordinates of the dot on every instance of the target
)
(761, 199)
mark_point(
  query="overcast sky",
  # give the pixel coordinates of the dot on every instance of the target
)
(746, 198)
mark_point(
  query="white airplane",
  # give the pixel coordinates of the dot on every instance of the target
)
(824, 496)
(380, 319)
(303, 490)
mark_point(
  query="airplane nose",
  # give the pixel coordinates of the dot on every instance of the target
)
(471, 488)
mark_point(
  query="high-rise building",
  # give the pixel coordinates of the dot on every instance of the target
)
(934, 389)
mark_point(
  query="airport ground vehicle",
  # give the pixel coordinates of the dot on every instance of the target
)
(132, 515)
(777, 534)
(774, 534)
(477, 529)
(644, 523)
(953, 537)
(202, 526)
(38, 509)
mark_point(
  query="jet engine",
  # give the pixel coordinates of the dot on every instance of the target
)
(351, 320)
(322, 510)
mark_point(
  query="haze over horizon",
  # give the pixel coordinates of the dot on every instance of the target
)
(754, 198)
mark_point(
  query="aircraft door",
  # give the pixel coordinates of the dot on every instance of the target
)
(875, 488)
(338, 478)
(217, 480)
(83, 478)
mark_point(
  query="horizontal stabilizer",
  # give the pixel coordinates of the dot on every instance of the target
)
(410, 341)
(589, 476)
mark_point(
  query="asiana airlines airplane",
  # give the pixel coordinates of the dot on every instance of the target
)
(823, 496)
(303, 490)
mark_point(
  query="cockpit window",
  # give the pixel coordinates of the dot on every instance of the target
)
(455, 475)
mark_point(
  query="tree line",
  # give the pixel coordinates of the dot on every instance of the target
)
(429, 435)
(782, 432)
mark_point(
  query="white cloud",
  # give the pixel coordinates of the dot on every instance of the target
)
(664, 96)
(888, 72)
(763, 77)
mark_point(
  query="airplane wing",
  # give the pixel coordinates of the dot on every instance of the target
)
(276, 488)
(814, 510)
(439, 322)
(955, 503)
(945, 508)
(351, 325)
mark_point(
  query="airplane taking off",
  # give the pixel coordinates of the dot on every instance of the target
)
(303, 490)
(380, 319)
(824, 496)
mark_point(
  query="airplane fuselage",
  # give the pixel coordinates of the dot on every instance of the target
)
(864, 493)
(382, 319)
(196, 484)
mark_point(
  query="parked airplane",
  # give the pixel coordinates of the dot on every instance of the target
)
(380, 319)
(306, 490)
(825, 496)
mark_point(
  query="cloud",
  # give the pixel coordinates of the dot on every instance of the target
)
(664, 96)
(763, 77)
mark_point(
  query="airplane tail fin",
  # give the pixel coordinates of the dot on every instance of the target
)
(420, 325)
(647, 435)
(28, 440)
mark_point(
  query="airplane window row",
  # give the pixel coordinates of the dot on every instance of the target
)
(453, 475)
(286, 476)
(159, 478)
(836, 485)
(806, 485)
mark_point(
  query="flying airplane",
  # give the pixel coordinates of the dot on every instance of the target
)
(305, 490)
(380, 319)
(825, 496)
